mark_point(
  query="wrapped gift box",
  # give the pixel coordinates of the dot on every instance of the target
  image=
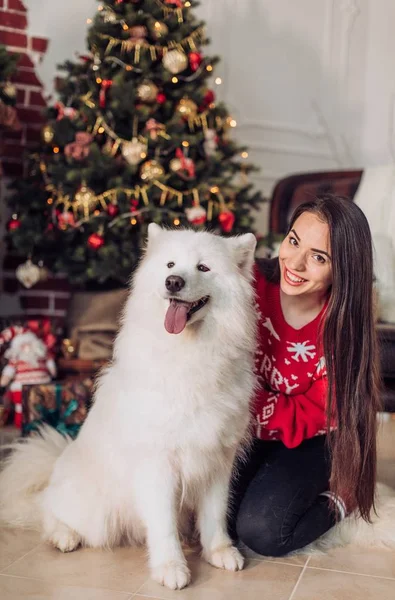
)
(63, 405)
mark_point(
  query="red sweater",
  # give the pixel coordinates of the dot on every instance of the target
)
(290, 403)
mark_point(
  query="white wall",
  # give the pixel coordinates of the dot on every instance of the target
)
(311, 83)
(63, 22)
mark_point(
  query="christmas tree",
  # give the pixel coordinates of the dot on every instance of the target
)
(8, 116)
(137, 136)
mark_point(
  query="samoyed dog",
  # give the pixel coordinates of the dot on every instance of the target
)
(169, 415)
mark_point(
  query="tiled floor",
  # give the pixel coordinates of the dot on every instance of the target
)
(32, 570)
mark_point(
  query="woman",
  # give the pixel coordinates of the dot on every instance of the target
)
(317, 365)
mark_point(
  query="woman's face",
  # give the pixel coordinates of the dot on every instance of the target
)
(305, 258)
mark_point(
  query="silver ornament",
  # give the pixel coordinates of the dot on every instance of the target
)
(28, 274)
(134, 152)
(175, 61)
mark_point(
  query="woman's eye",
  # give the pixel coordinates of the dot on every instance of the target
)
(319, 258)
(170, 265)
(293, 241)
(203, 268)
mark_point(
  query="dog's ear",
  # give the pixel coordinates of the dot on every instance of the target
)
(244, 250)
(153, 231)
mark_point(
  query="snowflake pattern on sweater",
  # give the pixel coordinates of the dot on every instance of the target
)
(290, 404)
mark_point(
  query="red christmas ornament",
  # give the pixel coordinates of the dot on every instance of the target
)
(14, 224)
(227, 220)
(195, 60)
(112, 210)
(105, 85)
(133, 205)
(161, 98)
(209, 97)
(95, 241)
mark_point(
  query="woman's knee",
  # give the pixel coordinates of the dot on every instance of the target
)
(260, 534)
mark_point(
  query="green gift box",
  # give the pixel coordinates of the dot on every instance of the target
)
(63, 405)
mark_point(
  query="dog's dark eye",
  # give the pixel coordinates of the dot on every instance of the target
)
(170, 265)
(203, 268)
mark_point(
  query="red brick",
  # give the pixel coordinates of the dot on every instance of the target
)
(30, 115)
(62, 304)
(14, 169)
(29, 301)
(10, 38)
(12, 151)
(25, 61)
(16, 5)
(13, 135)
(55, 284)
(36, 99)
(13, 20)
(33, 135)
(20, 96)
(26, 77)
(39, 44)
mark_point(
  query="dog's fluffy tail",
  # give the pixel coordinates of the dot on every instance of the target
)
(378, 534)
(25, 473)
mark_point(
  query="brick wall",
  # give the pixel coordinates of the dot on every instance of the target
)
(30, 99)
(49, 298)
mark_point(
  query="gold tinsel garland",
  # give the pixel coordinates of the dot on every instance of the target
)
(198, 120)
(137, 44)
(111, 197)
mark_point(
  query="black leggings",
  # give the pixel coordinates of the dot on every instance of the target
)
(276, 505)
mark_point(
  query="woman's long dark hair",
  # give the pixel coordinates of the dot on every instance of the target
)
(350, 351)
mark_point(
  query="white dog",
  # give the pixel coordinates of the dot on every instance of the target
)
(169, 415)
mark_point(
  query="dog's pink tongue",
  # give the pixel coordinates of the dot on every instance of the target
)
(176, 317)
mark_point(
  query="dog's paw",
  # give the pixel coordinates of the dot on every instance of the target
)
(174, 575)
(64, 538)
(227, 557)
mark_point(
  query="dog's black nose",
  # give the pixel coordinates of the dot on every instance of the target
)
(174, 283)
